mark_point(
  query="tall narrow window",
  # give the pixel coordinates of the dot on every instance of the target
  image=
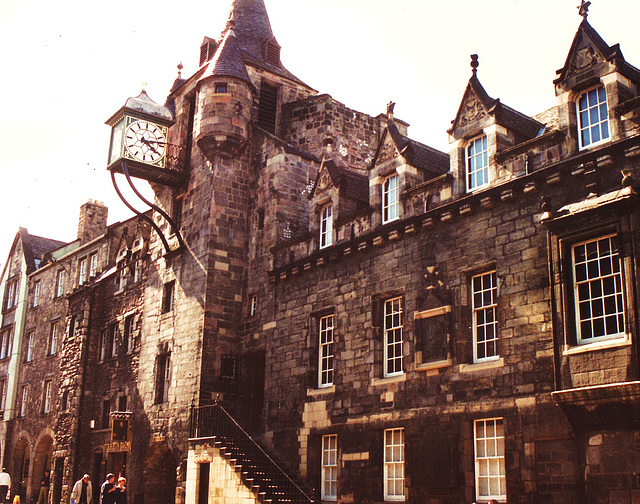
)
(47, 396)
(3, 394)
(167, 296)
(106, 413)
(325, 367)
(82, 271)
(484, 292)
(60, 280)
(393, 337)
(5, 343)
(326, 226)
(477, 163)
(53, 338)
(598, 290)
(36, 293)
(163, 378)
(24, 400)
(93, 265)
(104, 336)
(490, 465)
(129, 326)
(114, 337)
(330, 467)
(122, 403)
(253, 307)
(30, 343)
(394, 464)
(267, 107)
(593, 117)
(390, 199)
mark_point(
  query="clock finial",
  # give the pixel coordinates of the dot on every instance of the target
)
(583, 9)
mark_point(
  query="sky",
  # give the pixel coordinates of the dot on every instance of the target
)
(69, 65)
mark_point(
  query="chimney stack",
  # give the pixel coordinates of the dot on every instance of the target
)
(93, 221)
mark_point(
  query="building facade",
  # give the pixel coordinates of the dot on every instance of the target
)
(318, 307)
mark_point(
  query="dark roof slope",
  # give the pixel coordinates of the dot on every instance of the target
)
(35, 247)
(351, 184)
(418, 154)
(227, 61)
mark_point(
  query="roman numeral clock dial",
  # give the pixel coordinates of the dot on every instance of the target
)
(145, 141)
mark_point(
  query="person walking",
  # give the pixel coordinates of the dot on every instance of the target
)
(107, 490)
(121, 495)
(43, 497)
(5, 485)
(82, 492)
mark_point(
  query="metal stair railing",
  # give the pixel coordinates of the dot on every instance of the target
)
(258, 469)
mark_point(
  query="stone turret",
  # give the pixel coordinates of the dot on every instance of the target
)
(224, 105)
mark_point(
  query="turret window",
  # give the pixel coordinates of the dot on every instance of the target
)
(593, 117)
(477, 164)
(221, 87)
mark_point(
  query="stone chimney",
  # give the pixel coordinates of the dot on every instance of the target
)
(93, 221)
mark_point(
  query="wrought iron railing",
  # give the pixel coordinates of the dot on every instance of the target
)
(257, 468)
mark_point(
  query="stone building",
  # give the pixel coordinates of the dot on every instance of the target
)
(318, 307)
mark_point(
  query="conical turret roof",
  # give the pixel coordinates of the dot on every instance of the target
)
(250, 22)
(227, 61)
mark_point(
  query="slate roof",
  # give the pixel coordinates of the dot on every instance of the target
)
(227, 61)
(504, 115)
(351, 184)
(418, 154)
(34, 247)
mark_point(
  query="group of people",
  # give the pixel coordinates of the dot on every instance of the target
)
(82, 493)
(110, 492)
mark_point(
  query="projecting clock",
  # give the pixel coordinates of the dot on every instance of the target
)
(145, 141)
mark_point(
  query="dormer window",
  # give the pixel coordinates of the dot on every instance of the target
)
(477, 163)
(593, 117)
(326, 226)
(390, 199)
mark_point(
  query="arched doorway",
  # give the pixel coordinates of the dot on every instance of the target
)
(160, 475)
(41, 461)
(20, 463)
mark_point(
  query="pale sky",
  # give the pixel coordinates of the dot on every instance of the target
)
(69, 65)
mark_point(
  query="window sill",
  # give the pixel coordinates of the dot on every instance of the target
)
(321, 391)
(427, 366)
(482, 366)
(600, 345)
(390, 379)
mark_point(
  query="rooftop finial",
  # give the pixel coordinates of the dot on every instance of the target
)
(390, 107)
(583, 9)
(474, 64)
(180, 67)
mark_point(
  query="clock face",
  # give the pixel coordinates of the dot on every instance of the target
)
(145, 141)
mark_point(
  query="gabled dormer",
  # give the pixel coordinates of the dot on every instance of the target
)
(399, 164)
(483, 127)
(592, 89)
(339, 194)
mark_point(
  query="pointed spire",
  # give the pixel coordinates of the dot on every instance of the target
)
(250, 22)
(227, 61)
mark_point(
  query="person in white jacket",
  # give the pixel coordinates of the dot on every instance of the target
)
(5, 485)
(82, 492)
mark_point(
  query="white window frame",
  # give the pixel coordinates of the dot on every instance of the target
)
(30, 346)
(326, 226)
(167, 379)
(329, 468)
(36, 293)
(129, 328)
(82, 271)
(253, 306)
(394, 477)
(103, 344)
(472, 157)
(93, 265)
(391, 198)
(484, 302)
(593, 112)
(490, 468)
(114, 332)
(4, 343)
(3, 394)
(60, 281)
(325, 351)
(609, 285)
(393, 337)
(47, 394)
(54, 337)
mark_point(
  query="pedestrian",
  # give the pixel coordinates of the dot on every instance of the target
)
(43, 497)
(5, 485)
(82, 492)
(121, 495)
(107, 490)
